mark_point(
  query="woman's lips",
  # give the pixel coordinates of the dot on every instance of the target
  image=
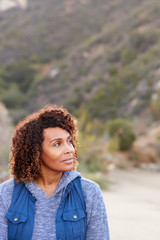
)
(68, 160)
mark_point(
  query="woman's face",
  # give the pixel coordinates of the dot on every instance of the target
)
(57, 150)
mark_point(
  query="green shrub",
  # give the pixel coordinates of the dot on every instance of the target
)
(113, 70)
(20, 73)
(122, 130)
(127, 55)
(140, 42)
(106, 102)
(114, 56)
(12, 97)
(113, 145)
(94, 158)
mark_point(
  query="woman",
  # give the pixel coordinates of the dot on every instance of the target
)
(47, 199)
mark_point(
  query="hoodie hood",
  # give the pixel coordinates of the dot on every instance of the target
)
(67, 177)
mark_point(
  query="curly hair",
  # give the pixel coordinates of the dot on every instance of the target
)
(26, 147)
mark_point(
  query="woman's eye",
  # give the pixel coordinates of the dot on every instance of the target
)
(56, 144)
(70, 141)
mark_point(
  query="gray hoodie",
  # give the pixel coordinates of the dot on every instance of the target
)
(46, 208)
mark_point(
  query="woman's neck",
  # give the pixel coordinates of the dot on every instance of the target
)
(48, 182)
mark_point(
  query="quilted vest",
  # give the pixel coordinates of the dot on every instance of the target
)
(71, 222)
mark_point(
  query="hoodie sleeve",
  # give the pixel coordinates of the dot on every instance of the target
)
(97, 222)
(6, 190)
(3, 222)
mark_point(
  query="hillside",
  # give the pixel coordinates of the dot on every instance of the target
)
(6, 129)
(94, 57)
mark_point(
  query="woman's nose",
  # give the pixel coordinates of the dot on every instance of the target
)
(69, 148)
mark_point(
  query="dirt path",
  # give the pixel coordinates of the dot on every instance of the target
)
(133, 205)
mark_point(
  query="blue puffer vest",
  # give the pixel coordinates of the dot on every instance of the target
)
(70, 218)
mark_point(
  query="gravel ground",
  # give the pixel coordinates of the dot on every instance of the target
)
(133, 205)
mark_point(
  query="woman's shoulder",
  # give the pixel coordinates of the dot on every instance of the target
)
(89, 187)
(89, 183)
(92, 195)
(7, 185)
(6, 189)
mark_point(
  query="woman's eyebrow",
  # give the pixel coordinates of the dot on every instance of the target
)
(56, 139)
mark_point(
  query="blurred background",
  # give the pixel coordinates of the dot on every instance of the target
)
(101, 60)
